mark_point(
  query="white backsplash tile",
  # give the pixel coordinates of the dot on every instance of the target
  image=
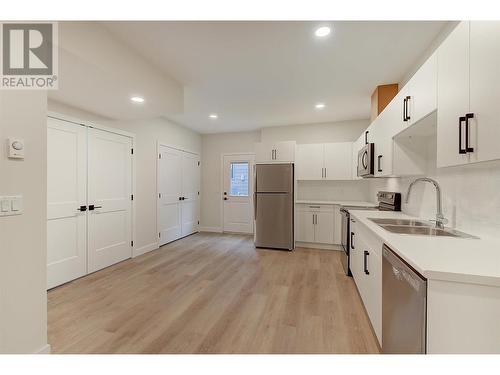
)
(334, 190)
(471, 196)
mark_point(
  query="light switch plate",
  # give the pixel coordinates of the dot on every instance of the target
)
(16, 148)
(11, 205)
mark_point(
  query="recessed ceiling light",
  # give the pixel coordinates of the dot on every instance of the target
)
(137, 99)
(322, 31)
(320, 105)
(213, 115)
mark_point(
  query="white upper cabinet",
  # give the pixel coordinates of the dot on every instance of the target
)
(382, 137)
(338, 162)
(484, 90)
(275, 152)
(310, 161)
(453, 97)
(468, 94)
(421, 95)
(324, 161)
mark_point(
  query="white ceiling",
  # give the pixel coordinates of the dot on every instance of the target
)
(259, 74)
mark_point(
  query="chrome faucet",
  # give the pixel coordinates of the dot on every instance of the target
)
(440, 219)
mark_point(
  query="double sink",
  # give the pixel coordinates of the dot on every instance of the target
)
(418, 227)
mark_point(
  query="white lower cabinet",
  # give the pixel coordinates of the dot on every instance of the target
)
(315, 224)
(366, 268)
(305, 226)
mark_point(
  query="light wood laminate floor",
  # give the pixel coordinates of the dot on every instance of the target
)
(213, 293)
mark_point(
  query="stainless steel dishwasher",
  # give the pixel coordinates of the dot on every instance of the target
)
(404, 306)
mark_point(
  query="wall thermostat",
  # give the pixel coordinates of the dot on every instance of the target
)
(16, 148)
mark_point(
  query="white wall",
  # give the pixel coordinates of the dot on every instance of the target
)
(213, 146)
(23, 253)
(341, 131)
(358, 190)
(147, 132)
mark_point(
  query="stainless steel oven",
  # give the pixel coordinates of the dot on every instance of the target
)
(347, 236)
(387, 201)
(365, 160)
(345, 240)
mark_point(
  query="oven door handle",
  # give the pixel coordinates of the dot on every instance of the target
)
(352, 240)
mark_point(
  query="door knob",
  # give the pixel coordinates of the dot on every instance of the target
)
(225, 198)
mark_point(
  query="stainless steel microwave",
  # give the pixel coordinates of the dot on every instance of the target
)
(365, 160)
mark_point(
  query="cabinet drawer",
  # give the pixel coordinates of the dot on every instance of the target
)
(369, 239)
(315, 207)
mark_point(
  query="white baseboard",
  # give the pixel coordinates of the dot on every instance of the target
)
(210, 229)
(312, 245)
(145, 249)
(44, 349)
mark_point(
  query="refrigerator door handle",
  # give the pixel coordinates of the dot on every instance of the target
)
(254, 205)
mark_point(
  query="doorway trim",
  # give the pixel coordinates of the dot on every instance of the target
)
(221, 182)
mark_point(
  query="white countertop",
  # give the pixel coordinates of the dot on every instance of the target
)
(465, 260)
(340, 203)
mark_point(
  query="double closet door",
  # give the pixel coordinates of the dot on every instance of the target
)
(89, 193)
(178, 193)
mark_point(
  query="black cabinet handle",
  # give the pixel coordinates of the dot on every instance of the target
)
(352, 240)
(225, 198)
(180, 198)
(378, 162)
(460, 149)
(366, 137)
(82, 208)
(404, 109)
(467, 146)
(92, 207)
(366, 253)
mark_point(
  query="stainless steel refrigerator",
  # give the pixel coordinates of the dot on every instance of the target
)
(274, 206)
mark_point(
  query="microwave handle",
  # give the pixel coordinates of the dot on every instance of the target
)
(366, 137)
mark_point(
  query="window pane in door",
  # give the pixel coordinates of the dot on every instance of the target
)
(239, 179)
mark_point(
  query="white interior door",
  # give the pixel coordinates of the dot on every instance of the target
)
(238, 193)
(109, 198)
(66, 192)
(169, 194)
(190, 203)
